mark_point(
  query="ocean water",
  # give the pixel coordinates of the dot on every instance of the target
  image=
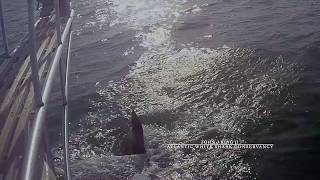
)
(15, 15)
(195, 70)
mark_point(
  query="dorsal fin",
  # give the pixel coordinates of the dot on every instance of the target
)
(137, 133)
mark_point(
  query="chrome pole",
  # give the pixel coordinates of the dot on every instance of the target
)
(3, 28)
(64, 93)
(67, 170)
(62, 82)
(36, 130)
(33, 55)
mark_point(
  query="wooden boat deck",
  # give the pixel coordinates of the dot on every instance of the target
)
(17, 103)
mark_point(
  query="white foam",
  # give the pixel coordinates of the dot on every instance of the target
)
(140, 13)
(157, 37)
(209, 36)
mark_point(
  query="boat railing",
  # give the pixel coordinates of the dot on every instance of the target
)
(42, 93)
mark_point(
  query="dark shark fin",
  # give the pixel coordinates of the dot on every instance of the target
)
(137, 133)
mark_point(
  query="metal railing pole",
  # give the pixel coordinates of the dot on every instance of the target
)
(33, 55)
(67, 170)
(3, 30)
(29, 161)
(58, 20)
(64, 93)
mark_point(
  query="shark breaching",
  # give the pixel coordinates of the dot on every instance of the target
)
(128, 147)
(125, 136)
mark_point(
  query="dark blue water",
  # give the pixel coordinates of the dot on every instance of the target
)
(15, 15)
(226, 69)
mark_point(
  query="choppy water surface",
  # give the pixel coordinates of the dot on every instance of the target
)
(226, 69)
(15, 15)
